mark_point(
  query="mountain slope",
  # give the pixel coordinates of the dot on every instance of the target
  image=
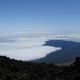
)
(11, 69)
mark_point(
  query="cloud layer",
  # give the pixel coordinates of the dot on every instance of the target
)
(26, 49)
(30, 46)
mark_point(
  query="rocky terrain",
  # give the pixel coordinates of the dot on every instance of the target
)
(11, 69)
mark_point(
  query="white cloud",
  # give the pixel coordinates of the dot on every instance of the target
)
(23, 49)
(30, 46)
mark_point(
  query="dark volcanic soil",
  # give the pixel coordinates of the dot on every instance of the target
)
(11, 69)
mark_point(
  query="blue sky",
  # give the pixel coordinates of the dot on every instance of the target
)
(57, 16)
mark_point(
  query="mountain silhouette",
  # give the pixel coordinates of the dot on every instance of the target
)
(11, 69)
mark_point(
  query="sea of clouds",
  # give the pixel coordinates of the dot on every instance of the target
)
(30, 46)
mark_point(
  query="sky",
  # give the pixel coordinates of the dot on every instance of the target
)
(57, 16)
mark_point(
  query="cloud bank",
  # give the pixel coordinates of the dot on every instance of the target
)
(30, 46)
(26, 49)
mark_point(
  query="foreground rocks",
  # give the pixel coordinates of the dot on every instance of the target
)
(11, 69)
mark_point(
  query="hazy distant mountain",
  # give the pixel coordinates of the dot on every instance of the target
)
(69, 51)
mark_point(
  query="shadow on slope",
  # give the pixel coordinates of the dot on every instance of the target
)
(65, 56)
